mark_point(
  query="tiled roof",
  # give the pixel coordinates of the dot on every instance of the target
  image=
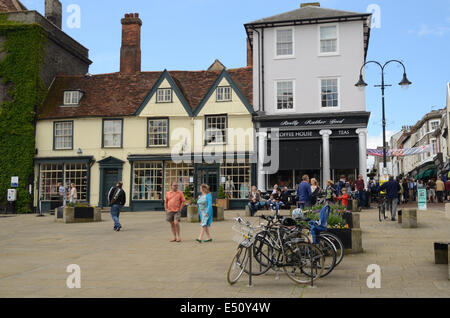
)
(308, 12)
(116, 94)
(11, 6)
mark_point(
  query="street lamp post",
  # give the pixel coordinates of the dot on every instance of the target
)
(404, 83)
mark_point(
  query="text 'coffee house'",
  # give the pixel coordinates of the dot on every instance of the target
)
(323, 147)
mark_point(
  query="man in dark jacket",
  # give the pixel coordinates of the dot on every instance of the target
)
(117, 200)
(392, 187)
(304, 193)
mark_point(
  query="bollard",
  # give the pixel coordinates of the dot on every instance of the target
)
(247, 211)
(356, 220)
(399, 217)
(409, 218)
(447, 210)
(192, 215)
(355, 206)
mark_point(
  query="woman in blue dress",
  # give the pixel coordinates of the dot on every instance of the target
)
(204, 204)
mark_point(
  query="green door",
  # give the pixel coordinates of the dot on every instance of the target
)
(208, 175)
(110, 179)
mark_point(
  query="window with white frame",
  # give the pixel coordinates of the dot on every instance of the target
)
(237, 179)
(434, 147)
(224, 94)
(63, 135)
(72, 98)
(158, 132)
(112, 133)
(148, 180)
(434, 125)
(216, 129)
(180, 173)
(328, 39)
(285, 95)
(285, 42)
(329, 92)
(164, 95)
(49, 176)
(76, 173)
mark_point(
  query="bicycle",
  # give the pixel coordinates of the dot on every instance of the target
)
(275, 248)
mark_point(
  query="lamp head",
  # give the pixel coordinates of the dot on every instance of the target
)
(361, 83)
(405, 83)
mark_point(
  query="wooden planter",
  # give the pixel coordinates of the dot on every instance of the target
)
(78, 214)
(224, 203)
(218, 213)
(192, 214)
(351, 238)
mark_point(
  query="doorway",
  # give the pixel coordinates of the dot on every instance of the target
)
(208, 174)
(110, 179)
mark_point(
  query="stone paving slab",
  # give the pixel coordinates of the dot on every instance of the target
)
(141, 262)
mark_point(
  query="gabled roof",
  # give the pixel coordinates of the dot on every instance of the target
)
(116, 94)
(11, 6)
(309, 12)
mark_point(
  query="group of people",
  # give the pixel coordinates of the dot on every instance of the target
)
(307, 193)
(173, 204)
(65, 195)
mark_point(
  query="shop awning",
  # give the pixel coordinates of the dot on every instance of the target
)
(429, 173)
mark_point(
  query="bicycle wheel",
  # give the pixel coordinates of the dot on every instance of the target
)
(329, 253)
(263, 255)
(337, 244)
(303, 261)
(237, 265)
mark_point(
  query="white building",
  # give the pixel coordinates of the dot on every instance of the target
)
(306, 63)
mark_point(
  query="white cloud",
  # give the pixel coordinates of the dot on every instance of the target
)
(425, 29)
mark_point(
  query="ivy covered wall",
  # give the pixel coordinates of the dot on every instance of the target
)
(22, 51)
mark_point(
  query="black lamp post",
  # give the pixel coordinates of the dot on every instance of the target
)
(404, 83)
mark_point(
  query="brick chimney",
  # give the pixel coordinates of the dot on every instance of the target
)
(249, 53)
(53, 12)
(130, 52)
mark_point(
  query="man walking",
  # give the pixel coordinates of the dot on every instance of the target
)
(304, 193)
(117, 199)
(392, 188)
(440, 188)
(173, 204)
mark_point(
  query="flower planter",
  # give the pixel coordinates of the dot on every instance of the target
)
(184, 211)
(224, 203)
(351, 239)
(192, 214)
(78, 214)
(218, 213)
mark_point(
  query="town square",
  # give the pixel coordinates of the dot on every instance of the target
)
(190, 150)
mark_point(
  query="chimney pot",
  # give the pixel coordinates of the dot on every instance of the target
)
(310, 4)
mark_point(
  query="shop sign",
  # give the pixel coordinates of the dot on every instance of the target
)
(422, 199)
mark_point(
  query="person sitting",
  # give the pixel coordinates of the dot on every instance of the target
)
(344, 197)
(254, 198)
(322, 224)
(285, 197)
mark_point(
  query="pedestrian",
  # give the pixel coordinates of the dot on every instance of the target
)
(62, 194)
(360, 186)
(173, 204)
(330, 192)
(440, 188)
(205, 209)
(405, 191)
(254, 198)
(117, 200)
(304, 193)
(447, 189)
(344, 198)
(411, 186)
(315, 190)
(431, 187)
(73, 194)
(286, 197)
(340, 184)
(392, 188)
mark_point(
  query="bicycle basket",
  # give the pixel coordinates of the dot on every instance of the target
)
(242, 232)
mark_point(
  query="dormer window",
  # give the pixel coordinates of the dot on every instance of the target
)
(164, 95)
(72, 98)
(224, 94)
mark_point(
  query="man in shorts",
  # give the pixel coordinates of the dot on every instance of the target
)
(173, 204)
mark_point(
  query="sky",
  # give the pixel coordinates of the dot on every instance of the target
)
(191, 34)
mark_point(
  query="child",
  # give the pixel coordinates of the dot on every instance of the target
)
(344, 197)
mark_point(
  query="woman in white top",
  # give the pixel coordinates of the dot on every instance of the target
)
(73, 193)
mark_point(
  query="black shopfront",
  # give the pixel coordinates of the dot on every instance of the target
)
(301, 146)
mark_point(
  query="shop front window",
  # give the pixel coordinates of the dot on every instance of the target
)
(181, 173)
(147, 180)
(236, 179)
(51, 174)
